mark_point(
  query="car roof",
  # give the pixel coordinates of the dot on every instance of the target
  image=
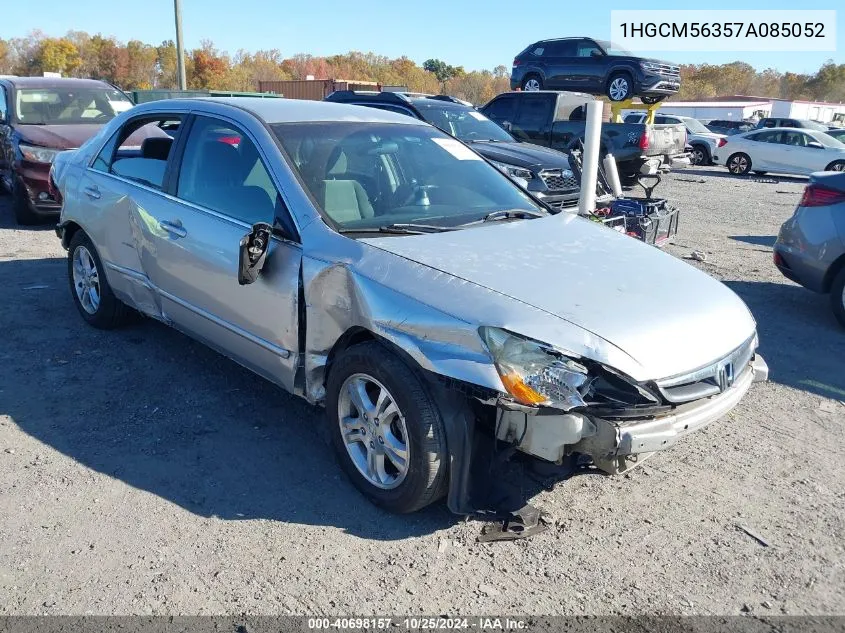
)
(277, 110)
(56, 82)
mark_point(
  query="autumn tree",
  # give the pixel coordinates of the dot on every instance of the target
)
(208, 68)
(5, 57)
(58, 55)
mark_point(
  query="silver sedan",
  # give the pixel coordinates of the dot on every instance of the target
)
(374, 265)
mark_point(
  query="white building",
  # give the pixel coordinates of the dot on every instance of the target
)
(813, 110)
(730, 110)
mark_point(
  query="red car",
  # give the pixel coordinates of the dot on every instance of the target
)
(39, 117)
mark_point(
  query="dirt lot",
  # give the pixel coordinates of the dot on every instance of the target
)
(142, 473)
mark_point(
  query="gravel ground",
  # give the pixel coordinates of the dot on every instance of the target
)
(141, 473)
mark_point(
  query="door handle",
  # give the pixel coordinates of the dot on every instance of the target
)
(174, 228)
(92, 192)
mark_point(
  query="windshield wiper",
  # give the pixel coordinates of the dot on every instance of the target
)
(416, 229)
(507, 214)
(400, 229)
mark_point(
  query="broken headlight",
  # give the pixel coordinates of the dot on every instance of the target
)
(534, 373)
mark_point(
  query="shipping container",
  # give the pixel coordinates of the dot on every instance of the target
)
(314, 89)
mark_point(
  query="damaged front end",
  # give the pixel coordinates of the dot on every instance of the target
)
(560, 406)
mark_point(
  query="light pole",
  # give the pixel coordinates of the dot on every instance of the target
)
(180, 52)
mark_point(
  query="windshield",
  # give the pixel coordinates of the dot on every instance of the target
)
(614, 49)
(828, 141)
(465, 123)
(696, 127)
(57, 106)
(812, 125)
(369, 175)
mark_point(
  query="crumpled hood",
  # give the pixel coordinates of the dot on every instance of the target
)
(68, 136)
(668, 316)
(522, 154)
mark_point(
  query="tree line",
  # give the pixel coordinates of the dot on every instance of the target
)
(135, 65)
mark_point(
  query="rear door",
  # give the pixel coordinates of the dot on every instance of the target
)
(561, 65)
(190, 248)
(533, 121)
(123, 182)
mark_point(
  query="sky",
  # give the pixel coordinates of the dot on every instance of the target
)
(469, 33)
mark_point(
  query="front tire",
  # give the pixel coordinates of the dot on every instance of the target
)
(837, 297)
(386, 429)
(739, 164)
(837, 165)
(89, 287)
(532, 83)
(23, 207)
(620, 87)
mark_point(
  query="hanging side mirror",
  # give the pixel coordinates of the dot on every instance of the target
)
(252, 252)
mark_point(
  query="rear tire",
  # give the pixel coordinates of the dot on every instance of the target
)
(837, 165)
(700, 155)
(410, 420)
(89, 287)
(23, 207)
(620, 87)
(738, 164)
(837, 297)
(532, 83)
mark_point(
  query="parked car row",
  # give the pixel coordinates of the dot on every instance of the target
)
(378, 266)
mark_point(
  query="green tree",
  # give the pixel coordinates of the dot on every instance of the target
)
(440, 69)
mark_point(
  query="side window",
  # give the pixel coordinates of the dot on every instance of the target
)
(765, 137)
(633, 118)
(533, 118)
(585, 48)
(790, 123)
(562, 48)
(769, 123)
(538, 51)
(501, 109)
(222, 171)
(139, 151)
(4, 109)
(795, 139)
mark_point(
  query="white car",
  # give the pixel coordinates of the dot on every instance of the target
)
(783, 150)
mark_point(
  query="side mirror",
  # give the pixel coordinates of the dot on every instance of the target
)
(596, 53)
(815, 145)
(252, 252)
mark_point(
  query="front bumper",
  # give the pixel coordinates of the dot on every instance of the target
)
(618, 445)
(35, 180)
(660, 84)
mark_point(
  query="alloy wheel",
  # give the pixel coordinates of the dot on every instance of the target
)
(374, 431)
(698, 156)
(619, 89)
(738, 165)
(86, 280)
(532, 85)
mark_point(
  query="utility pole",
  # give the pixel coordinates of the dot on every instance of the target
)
(180, 52)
